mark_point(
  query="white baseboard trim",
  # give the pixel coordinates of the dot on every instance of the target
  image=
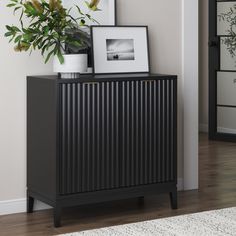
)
(180, 185)
(203, 128)
(226, 130)
(19, 205)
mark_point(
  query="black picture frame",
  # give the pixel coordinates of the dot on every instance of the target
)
(121, 26)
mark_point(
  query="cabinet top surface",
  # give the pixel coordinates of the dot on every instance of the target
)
(107, 77)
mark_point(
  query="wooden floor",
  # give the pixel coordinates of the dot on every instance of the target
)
(217, 190)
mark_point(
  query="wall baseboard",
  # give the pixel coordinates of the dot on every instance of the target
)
(19, 205)
(180, 185)
(203, 128)
(226, 130)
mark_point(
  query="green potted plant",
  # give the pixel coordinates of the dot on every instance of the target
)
(47, 26)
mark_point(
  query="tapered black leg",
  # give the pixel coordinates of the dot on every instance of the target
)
(173, 199)
(30, 203)
(57, 217)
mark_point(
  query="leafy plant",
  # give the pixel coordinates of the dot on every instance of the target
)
(230, 42)
(49, 27)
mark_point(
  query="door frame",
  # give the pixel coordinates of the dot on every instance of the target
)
(190, 74)
(213, 54)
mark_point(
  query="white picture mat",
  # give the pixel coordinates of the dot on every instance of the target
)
(105, 17)
(102, 65)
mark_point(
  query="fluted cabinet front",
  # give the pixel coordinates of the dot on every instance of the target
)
(89, 137)
(116, 134)
(147, 132)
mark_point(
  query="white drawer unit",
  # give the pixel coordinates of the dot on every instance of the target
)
(226, 117)
(226, 88)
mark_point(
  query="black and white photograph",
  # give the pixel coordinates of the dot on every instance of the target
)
(120, 49)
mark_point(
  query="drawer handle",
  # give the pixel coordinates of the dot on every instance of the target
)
(234, 81)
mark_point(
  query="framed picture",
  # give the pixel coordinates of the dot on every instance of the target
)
(107, 16)
(120, 49)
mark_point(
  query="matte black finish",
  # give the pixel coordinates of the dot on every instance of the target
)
(101, 138)
(214, 67)
(42, 136)
(90, 130)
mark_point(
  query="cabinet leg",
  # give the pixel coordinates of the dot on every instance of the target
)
(30, 203)
(173, 199)
(57, 217)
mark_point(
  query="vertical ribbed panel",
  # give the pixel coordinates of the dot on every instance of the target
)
(147, 132)
(89, 158)
(117, 134)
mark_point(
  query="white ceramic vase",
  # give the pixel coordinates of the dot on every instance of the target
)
(73, 66)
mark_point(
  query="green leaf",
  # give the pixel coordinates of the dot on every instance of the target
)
(75, 43)
(18, 38)
(60, 56)
(16, 9)
(46, 46)
(7, 34)
(38, 41)
(11, 5)
(30, 10)
(27, 37)
(16, 29)
(9, 27)
(11, 39)
(49, 56)
(46, 30)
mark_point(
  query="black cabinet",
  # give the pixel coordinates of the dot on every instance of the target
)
(100, 138)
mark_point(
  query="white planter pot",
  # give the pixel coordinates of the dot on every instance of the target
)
(73, 65)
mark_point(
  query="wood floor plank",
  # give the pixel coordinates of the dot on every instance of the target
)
(217, 171)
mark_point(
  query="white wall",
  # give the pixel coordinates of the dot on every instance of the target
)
(190, 92)
(13, 68)
(164, 20)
